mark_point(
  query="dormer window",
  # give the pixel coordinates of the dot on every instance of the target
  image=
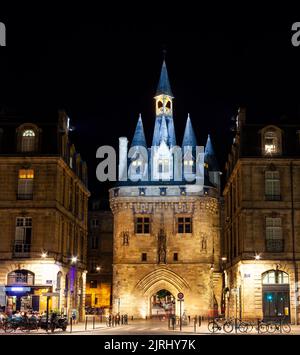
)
(271, 141)
(28, 141)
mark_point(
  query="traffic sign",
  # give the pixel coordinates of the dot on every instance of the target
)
(180, 296)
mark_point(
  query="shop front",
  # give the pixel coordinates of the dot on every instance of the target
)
(23, 295)
(26, 299)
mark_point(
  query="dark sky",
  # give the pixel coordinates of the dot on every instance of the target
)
(104, 72)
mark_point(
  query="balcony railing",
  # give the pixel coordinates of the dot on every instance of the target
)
(275, 245)
(21, 250)
(25, 196)
(272, 197)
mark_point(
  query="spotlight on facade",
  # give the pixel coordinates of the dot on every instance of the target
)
(224, 258)
(98, 268)
(74, 259)
(211, 267)
(257, 257)
(44, 255)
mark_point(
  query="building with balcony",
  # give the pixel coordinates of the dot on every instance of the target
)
(261, 246)
(43, 214)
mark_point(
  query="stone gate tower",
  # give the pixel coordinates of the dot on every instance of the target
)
(166, 227)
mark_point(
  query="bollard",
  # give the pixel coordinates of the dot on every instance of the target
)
(195, 324)
(280, 325)
(86, 320)
(131, 317)
(199, 319)
(94, 322)
(235, 325)
(257, 325)
(71, 324)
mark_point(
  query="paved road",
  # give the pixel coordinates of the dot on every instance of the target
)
(138, 327)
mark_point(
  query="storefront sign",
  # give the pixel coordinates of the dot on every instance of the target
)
(17, 289)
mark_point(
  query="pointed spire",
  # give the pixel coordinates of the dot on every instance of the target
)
(189, 138)
(139, 135)
(209, 156)
(164, 86)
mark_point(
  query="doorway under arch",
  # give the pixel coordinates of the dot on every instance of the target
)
(276, 294)
(162, 304)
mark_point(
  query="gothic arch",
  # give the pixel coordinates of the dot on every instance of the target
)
(162, 279)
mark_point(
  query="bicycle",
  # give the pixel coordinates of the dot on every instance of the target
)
(262, 327)
(279, 324)
(215, 325)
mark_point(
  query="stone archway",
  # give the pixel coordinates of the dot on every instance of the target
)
(161, 279)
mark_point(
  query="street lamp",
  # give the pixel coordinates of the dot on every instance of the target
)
(257, 257)
(44, 255)
(74, 259)
(98, 268)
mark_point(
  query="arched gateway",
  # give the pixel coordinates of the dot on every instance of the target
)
(163, 284)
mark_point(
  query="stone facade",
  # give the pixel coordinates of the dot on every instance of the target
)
(100, 258)
(43, 225)
(262, 221)
(196, 271)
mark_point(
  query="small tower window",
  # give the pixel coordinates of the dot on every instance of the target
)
(168, 105)
(159, 104)
(144, 256)
(142, 225)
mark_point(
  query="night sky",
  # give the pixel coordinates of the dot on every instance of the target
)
(104, 73)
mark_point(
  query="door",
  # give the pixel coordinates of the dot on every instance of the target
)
(36, 303)
(276, 302)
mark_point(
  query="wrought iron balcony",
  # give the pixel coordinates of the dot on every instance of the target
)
(24, 196)
(21, 250)
(272, 197)
(275, 245)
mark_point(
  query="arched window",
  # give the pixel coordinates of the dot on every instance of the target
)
(20, 277)
(275, 277)
(28, 141)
